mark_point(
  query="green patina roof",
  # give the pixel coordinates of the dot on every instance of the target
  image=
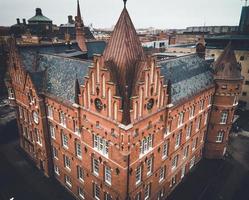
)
(39, 18)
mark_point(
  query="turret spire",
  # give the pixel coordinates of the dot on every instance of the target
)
(125, 1)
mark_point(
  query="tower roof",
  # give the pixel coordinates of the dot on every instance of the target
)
(226, 66)
(78, 17)
(39, 17)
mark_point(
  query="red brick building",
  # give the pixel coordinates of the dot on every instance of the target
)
(122, 125)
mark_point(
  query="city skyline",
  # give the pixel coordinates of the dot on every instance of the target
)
(163, 14)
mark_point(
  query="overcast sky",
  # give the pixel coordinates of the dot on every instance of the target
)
(144, 13)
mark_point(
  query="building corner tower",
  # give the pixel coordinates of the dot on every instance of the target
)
(228, 83)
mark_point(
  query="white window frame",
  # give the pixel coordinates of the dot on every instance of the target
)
(55, 153)
(165, 150)
(52, 131)
(63, 120)
(194, 144)
(183, 171)
(206, 118)
(67, 162)
(80, 173)
(219, 137)
(178, 140)
(224, 117)
(11, 94)
(56, 170)
(149, 164)
(192, 162)
(175, 162)
(202, 105)
(68, 181)
(101, 145)
(147, 191)
(78, 149)
(108, 175)
(146, 145)
(180, 119)
(186, 152)
(64, 140)
(138, 196)
(189, 131)
(138, 175)
(198, 124)
(81, 193)
(192, 112)
(96, 191)
(95, 166)
(38, 137)
(162, 174)
(50, 112)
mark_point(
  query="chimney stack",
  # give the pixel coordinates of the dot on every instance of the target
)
(18, 21)
(24, 21)
(70, 19)
(38, 11)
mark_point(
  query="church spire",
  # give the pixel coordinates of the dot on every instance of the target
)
(79, 26)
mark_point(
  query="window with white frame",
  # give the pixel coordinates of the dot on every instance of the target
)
(38, 137)
(63, 119)
(50, 112)
(235, 101)
(219, 137)
(138, 175)
(178, 140)
(192, 112)
(67, 162)
(81, 193)
(209, 100)
(206, 118)
(189, 130)
(192, 162)
(185, 152)
(52, 131)
(149, 163)
(20, 112)
(56, 170)
(55, 153)
(108, 196)
(146, 145)
(162, 173)
(173, 181)
(168, 128)
(78, 150)
(11, 93)
(175, 161)
(96, 192)
(64, 140)
(147, 191)
(80, 173)
(180, 119)
(100, 144)
(160, 194)
(165, 150)
(95, 166)
(224, 116)
(76, 128)
(68, 181)
(201, 105)
(198, 124)
(183, 171)
(194, 144)
(108, 175)
(138, 196)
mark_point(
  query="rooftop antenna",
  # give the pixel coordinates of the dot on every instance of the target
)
(125, 1)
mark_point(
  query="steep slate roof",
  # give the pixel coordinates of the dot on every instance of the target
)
(51, 73)
(188, 74)
(226, 66)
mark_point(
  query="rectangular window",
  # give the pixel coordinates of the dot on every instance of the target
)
(20, 112)
(138, 175)
(52, 131)
(147, 192)
(206, 118)
(68, 181)
(175, 161)
(162, 174)
(185, 152)
(64, 140)
(67, 162)
(149, 166)
(201, 105)
(100, 144)
(180, 119)
(192, 112)
(78, 149)
(80, 173)
(183, 171)
(55, 153)
(138, 196)
(96, 191)
(62, 119)
(50, 112)
(108, 196)
(178, 140)
(108, 175)
(198, 124)
(165, 150)
(173, 181)
(189, 130)
(56, 170)
(11, 93)
(146, 145)
(95, 167)
(209, 100)
(224, 116)
(192, 162)
(194, 144)
(81, 193)
(219, 138)
(38, 137)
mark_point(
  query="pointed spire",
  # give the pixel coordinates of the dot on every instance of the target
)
(79, 26)
(125, 1)
(226, 66)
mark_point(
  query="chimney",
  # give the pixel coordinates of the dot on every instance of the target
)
(38, 11)
(70, 19)
(24, 21)
(18, 21)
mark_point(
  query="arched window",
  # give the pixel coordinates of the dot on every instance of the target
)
(93, 82)
(109, 102)
(141, 102)
(103, 86)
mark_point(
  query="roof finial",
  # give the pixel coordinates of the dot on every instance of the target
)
(125, 1)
